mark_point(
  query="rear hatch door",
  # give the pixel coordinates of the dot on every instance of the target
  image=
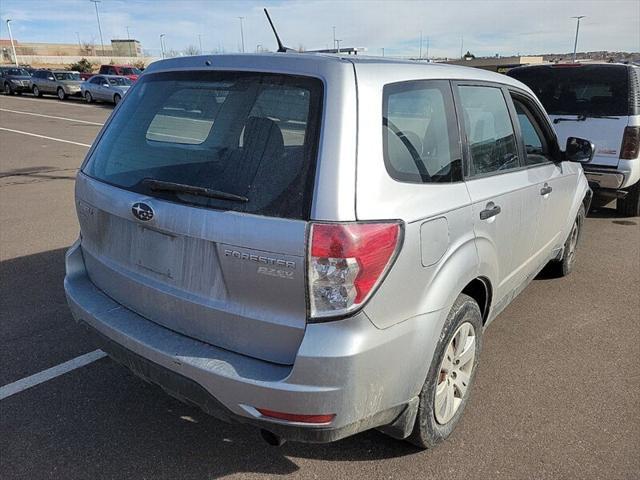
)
(194, 205)
(585, 101)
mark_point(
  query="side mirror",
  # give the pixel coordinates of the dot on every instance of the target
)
(579, 150)
(50, 78)
(105, 84)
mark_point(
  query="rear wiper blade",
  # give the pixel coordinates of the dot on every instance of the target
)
(586, 115)
(161, 186)
(579, 118)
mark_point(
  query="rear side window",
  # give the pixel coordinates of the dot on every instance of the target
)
(420, 135)
(253, 135)
(591, 90)
(490, 135)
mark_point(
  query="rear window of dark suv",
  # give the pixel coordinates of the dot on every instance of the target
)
(250, 135)
(592, 90)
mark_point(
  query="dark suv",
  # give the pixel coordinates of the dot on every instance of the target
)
(15, 80)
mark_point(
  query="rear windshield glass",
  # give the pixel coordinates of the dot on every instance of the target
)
(252, 135)
(584, 90)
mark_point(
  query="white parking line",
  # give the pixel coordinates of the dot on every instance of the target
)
(50, 101)
(51, 116)
(50, 373)
(45, 137)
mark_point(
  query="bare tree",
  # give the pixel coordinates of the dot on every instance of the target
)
(191, 50)
(171, 53)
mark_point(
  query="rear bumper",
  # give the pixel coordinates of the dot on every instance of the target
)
(608, 181)
(365, 376)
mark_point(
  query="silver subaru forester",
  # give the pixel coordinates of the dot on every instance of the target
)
(314, 244)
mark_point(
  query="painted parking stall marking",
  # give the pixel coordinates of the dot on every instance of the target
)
(45, 137)
(51, 116)
(50, 373)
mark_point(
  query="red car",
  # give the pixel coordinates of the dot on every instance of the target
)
(132, 73)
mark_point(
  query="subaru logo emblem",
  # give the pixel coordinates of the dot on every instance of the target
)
(142, 211)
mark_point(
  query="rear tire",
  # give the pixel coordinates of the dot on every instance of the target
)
(61, 94)
(88, 97)
(629, 206)
(7, 89)
(448, 385)
(36, 91)
(565, 265)
(116, 99)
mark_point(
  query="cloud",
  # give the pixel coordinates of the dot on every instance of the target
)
(485, 27)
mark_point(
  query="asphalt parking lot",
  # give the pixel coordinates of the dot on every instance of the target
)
(557, 395)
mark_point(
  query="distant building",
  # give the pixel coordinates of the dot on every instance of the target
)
(118, 48)
(496, 64)
(126, 48)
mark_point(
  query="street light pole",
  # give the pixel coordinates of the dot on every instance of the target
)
(95, 3)
(420, 56)
(200, 42)
(575, 44)
(13, 47)
(129, 41)
(334, 37)
(162, 44)
(242, 33)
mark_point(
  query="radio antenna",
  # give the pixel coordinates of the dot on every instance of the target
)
(281, 47)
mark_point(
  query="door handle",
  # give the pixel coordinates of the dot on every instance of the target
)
(491, 211)
(547, 189)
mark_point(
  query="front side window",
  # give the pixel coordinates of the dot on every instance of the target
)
(490, 135)
(420, 137)
(251, 135)
(536, 146)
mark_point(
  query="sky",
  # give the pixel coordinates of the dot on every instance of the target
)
(484, 27)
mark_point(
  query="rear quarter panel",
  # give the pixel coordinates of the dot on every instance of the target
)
(421, 280)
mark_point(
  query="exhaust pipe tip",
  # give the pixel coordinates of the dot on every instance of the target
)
(271, 438)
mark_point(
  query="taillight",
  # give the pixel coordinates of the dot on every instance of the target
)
(630, 143)
(347, 261)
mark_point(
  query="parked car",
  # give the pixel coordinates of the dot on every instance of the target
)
(314, 245)
(105, 88)
(600, 102)
(132, 73)
(61, 83)
(15, 80)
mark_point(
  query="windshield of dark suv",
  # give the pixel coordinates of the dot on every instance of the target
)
(249, 135)
(591, 90)
(18, 72)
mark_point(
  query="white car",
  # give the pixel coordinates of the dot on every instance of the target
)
(105, 88)
(599, 102)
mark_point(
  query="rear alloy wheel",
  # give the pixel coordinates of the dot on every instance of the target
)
(629, 206)
(61, 94)
(7, 89)
(566, 264)
(36, 91)
(116, 99)
(447, 388)
(88, 97)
